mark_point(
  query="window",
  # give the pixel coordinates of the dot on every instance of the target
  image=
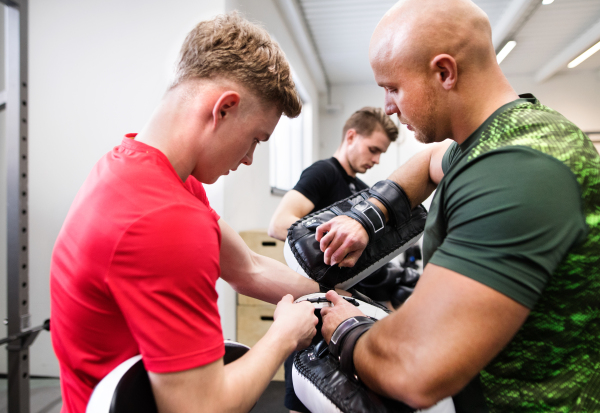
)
(290, 148)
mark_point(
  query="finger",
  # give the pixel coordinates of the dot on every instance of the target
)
(351, 259)
(349, 246)
(326, 240)
(322, 230)
(334, 250)
(333, 297)
(288, 298)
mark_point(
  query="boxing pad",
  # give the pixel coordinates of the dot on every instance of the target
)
(386, 241)
(368, 307)
(383, 284)
(126, 389)
(323, 374)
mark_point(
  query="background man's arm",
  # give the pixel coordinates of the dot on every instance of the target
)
(215, 388)
(343, 239)
(256, 275)
(292, 207)
(447, 331)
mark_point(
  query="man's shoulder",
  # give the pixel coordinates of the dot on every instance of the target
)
(325, 165)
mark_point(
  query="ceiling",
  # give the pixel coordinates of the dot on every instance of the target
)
(548, 36)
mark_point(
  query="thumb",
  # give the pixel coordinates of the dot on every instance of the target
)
(288, 298)
(333, 297)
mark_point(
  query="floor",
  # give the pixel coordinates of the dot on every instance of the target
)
(45, 397)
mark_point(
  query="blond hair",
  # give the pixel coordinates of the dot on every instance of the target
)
(365, 120)
(232, 48)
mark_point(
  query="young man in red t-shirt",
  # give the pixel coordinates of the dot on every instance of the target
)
(135, 264)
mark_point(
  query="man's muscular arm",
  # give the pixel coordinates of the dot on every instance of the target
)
(256, 275)
(215, 388)
(446, 333)
(344, 239)
(292, 207)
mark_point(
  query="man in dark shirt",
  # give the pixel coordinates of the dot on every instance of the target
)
(366, 135)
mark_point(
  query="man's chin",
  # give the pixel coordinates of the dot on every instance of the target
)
(424, 138)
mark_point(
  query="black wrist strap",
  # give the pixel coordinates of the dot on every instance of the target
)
(370, 217)
(347, 354)
(341, 332)
(323, 288)
(393, 197)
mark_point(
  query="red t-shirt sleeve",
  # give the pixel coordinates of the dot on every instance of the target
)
(197, 189)
(163, 279)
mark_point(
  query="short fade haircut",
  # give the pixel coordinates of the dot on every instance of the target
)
(231, 47)
(365, 120)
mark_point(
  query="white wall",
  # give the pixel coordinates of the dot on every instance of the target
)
(575, 95)
(351, 97)
(97, 69)
(246, 198)
(248, 202)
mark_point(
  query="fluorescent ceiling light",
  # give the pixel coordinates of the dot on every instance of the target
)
(584, 55)
(546, 2)
(505, 51)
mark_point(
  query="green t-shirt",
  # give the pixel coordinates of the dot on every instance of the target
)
(518, 210)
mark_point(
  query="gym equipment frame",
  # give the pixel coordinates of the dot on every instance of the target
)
(14, 101)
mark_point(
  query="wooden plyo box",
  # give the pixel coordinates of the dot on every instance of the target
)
(254, 317)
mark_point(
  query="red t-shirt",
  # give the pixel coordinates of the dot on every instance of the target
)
(133, 271)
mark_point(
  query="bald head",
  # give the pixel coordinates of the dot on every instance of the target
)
(413, 32)
(436, 61)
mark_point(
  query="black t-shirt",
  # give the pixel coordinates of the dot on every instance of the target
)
(326, 182)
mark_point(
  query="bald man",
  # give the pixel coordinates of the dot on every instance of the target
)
(510, 289)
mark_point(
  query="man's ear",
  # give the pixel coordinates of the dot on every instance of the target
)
(350, 136)
(228, 104)
(445, 69)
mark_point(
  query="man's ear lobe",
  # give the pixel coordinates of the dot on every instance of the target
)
(446, 70)
(226, 105)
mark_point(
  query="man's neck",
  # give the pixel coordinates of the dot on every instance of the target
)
(472, 112)
(341, 157)
(167, 131)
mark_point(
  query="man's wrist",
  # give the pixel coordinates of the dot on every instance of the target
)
(343, 330)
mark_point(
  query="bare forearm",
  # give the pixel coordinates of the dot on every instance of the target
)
(247, 378)
(279, 225)
(414, 177)
(269, 280)
(444, 335)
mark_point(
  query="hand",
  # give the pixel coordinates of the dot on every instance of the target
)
(342, 240)
(295, 321)
(333, 316)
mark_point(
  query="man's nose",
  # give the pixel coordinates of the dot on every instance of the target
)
(247, 159)
(390, 106)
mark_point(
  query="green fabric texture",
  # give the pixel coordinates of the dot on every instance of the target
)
(519, 210)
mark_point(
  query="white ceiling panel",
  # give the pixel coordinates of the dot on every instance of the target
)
(341, 31)
(549, 30)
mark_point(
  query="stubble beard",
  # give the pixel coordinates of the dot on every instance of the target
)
(427, 132)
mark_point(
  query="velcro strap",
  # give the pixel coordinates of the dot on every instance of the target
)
(347, 351)
(370, 217)
(393, 197)
(339, 335)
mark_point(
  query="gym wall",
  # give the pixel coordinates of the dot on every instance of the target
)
(97, 69)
